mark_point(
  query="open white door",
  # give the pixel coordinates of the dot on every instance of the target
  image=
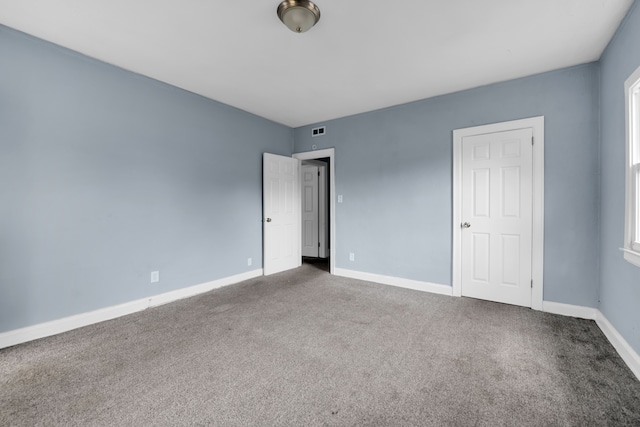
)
(281, 207)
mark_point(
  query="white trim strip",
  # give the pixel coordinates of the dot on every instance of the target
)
(41, 330)
(179, 294)
(18, 336)
(417, 285)
(632, 256)
(632, 144)
(628, 354)
(46, 329)
(570, 310)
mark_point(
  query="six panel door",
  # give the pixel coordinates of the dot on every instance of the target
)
(497, 215)
(310, 211)
(281, 205)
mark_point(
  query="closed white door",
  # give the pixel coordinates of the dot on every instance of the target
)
(281, 206)
(310, 211)
(497, 212)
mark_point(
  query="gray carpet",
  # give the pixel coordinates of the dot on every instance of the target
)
(304, 348)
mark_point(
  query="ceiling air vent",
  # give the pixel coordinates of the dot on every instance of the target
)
(318, 131)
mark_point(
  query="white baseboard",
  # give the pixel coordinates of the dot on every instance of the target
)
(628, 354)
(396, 281)
(570, 310)
(65, 324)
(18, 336)
(46, 329)
(179, 294)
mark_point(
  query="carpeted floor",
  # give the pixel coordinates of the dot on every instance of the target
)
(304, 348)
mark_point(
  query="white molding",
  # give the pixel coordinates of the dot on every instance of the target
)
(18, 336)
(626, 352)
(570, 310)
(632, 256)
(632, 130)
(400, 282)
(537, 253)
(331, 154)
(53, 327)
(41, 330)
(179, 294)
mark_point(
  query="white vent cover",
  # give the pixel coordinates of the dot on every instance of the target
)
(318, 131)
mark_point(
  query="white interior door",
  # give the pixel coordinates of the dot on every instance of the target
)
(310, 211)
(497, 212)
(281, 206)
(323, 211)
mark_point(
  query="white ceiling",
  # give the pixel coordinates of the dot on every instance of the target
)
(361, 56)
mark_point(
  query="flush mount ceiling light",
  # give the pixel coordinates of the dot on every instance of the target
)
(298, 15)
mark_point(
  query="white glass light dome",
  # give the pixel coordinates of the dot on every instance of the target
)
(298, 15)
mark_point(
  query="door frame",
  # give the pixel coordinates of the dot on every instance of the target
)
(323, 201)
(537, 253)
(319, 154)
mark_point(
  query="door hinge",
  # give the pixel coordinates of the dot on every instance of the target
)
(318, 244)
(318, 173)
(531, 283)
(531, 140)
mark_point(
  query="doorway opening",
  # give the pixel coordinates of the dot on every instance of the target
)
(315, 226)
(318, 236)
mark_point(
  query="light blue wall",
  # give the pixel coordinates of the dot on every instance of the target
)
(394, 170)
(620, 280)
(106, 175)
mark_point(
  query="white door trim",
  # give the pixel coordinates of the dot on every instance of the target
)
(319, 154)
(537, 254)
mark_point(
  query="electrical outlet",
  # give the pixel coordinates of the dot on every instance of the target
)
(155, 276)
(352, 256)
(249, 261)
